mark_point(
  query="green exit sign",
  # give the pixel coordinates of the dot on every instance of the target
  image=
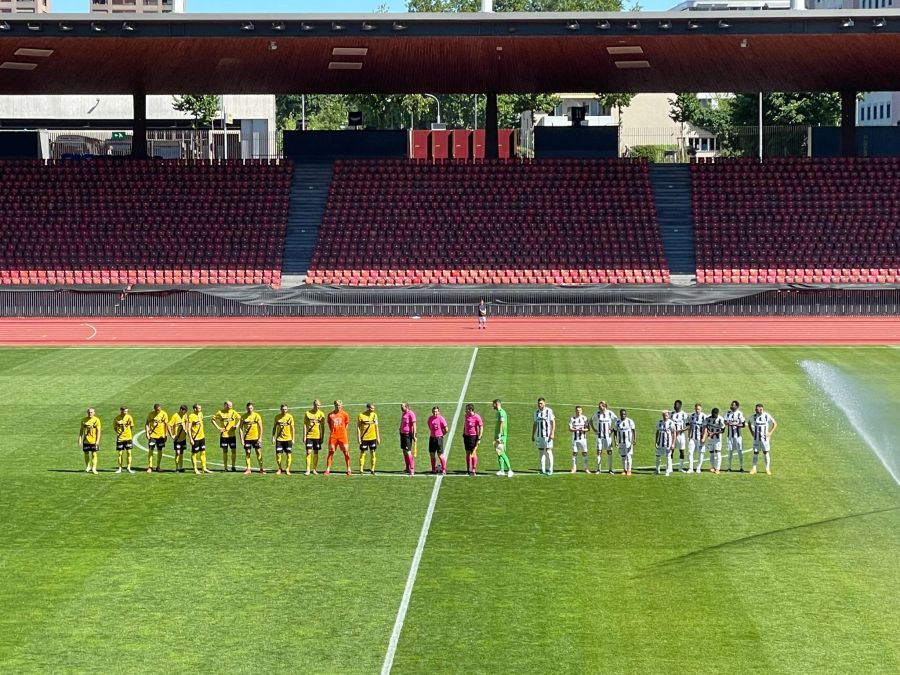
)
(118, 135)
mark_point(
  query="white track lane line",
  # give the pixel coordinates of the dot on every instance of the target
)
(423, 535)
(93, 328)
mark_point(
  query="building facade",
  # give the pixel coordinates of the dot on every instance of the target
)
(24, 6)
(137, 6)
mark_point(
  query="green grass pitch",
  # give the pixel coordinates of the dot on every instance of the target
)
(793, 573)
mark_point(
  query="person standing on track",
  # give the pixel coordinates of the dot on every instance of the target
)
(543, 431)
(626, 434)
(156, 431)
(473, 428)
(735, 422)
(89, 439)
(226, 421)
(284, 433)
(408, 437)
(696, 425)
(196, 433)
(665, 442)
(313, 434)
(680, 418)
(179, 436)
(251, 429)
(501, 434)
(338, 422)
(579, 425)
(482, 315)
(369, 436)
(123, 425)
(763, 426)
(437, 429)
(603, 422)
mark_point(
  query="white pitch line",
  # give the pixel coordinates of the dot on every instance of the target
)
(423, 535)
(146, 449)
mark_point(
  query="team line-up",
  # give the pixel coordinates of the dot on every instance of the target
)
(699, 433)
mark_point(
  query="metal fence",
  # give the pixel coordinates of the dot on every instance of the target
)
(384, 303)
(681, 144)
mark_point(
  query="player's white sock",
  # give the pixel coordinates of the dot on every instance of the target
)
(767, 460)
(542, 454)
(628, 457)
(700, 462)
(550, 459)
(668, 464)
(740, 454)
(718, 461)
(574, 461)
(681, 460)
(599, 463)
(584, 460)
(690, 459)
(609, 466)
(658, 462)
(755, 459)
(730, 453)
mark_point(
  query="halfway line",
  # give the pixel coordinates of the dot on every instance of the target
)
(423, 535)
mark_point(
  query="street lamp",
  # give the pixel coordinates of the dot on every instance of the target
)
(438, 101)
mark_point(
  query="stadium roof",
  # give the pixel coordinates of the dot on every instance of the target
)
(445, 53)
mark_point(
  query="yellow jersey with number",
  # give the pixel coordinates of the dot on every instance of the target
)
(195, 424)
(368, 425)
(314, 422)
(251, 424)
(156, 422)
(228, 420)
(90, 429)
(284, 427)
(124, 427)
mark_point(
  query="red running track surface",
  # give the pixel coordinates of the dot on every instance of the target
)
(450, 331)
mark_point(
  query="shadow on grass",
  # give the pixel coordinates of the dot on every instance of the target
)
(762, 535)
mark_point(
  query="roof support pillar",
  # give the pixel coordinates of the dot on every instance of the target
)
(848, 123)
(491, 139)
(139, 126)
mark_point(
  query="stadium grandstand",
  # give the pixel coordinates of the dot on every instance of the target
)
(578, 228)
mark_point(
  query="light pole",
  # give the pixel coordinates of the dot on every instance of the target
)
(438, 101)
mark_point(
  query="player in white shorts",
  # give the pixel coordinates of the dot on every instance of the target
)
(626, 435)
(696, 424)
(665, 442)
(734, 421)
(578, 425)
(712, 440)
(602, 423)
(680, 418)
(762, 426)
(543, 431)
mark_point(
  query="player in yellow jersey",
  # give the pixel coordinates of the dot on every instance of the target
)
(89, 440)
(251, 437)
(155, 428)
(196, 433)
(368, 435)
(123, 425)
(179, 436)
(226, 421)
(283, 435)
(313, 434)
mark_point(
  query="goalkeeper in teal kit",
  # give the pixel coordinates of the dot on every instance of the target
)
(500, 435)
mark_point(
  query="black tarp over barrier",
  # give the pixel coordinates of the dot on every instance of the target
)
(723, 300)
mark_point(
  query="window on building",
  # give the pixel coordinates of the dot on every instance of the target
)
(887, 110)
(881, 111)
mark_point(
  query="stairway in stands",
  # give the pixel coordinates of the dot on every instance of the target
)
(309, 193)
(672, 195)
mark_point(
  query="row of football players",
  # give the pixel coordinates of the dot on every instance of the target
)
(698, 433)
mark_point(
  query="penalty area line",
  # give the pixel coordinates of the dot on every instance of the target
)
(423, 535)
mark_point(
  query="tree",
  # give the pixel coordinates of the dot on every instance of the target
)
(617, 101)
(787, 109)
(511, 106)
(203, 108)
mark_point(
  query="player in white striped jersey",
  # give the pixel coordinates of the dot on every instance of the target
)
(626, 436)
(578, 425)
(696, 425)
(734, 420)
(680, 418)
(712, 440)
(762, 426)
(543, 431)
(602, 423)
(665, 441)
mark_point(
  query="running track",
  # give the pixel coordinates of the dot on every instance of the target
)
(454, 331)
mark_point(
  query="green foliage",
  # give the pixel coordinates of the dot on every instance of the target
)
(653, 153)
(511, 106)
(783, 109)
(617, 101)
(203, 107)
